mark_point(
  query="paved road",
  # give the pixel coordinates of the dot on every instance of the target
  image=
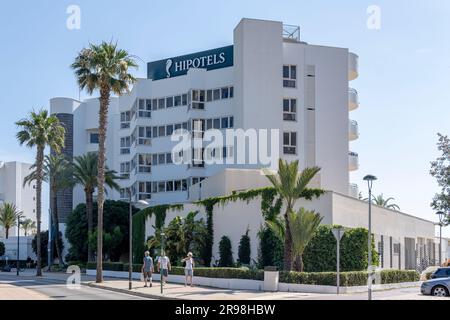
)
(55, 290)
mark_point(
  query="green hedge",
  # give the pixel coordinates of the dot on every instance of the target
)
(347, 279)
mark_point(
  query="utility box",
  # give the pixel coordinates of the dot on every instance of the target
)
(271, 278)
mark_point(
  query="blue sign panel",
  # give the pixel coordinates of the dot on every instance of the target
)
(178, 66)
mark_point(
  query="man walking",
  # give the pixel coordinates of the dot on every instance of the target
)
(147, 268)
(164, 265)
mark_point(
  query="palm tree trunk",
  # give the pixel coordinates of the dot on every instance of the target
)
(90, 220)
(39, 163)
(7, 233)
(56, 223)
(103, 121)
(287, 242)
(299, 265)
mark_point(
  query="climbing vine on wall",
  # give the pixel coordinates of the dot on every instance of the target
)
(139, 219)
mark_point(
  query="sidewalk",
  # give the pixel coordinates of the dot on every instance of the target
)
(180, 292)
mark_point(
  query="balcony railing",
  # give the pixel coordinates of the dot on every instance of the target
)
(352, 66)
(353, 131)
(353, 161)
(291, 32)
(353, 99)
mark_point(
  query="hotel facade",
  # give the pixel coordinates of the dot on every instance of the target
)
(268, 79)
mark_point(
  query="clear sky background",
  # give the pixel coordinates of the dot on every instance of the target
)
(404, 82)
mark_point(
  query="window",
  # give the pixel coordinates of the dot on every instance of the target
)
(125, 118)
(216, 123)
(145, 163)
(125, 144)
(177, 126)
(169, 186)
(161, 186)
(198, 99)
(145, 107)
(145, 190)
(144, 135)
(93, 137)
(225, 123)
(197, 157)
(155, 159)
(198, 128)
(231, 122)
(154, 187)
(289, 142)
(231, 92)
(169, 102)
(209, 95)
(184, 99)
(123, 193)
(209, 124)
(125, 168)
(155, 104)
(289, 76)
(169, 129)
(169, 158)
(289, 109)
(177, 101)
(216, 94)
(184, 125)
(161, 103)
(155, 132)
(177, 185)
(225, 93)
(161, 158)
(161, 131)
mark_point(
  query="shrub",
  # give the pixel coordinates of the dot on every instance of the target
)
(226, 254)
(244, 249)
(320, 254)
(397, 276)
(271, 249)
(2, 248)
(347, 279)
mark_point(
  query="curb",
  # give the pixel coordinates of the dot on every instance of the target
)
(130, 292)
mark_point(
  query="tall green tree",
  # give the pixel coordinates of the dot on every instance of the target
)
(40, 130)
(303, 225)
(28, 225)
(381, 201)
(9, 214)
(440, 170)
(104, 68)
(85, 169)
(292, 185)
(58, 174)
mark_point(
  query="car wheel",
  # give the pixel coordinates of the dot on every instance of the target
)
(439, 291)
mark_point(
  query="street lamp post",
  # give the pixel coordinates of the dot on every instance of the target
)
(161, 260)
(130, 242)
(337, 232)
(18, 244)
(370, 178)
(441, 216)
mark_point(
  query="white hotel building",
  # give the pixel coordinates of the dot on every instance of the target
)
(268, 79)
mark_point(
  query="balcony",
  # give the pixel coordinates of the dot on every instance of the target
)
(353, 99)
(353, 131)
(353, 190)
(352, 66)
(353, 161)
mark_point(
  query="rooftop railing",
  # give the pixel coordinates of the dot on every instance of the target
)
(291, 32)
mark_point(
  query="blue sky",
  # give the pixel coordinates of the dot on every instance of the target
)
(404, 82)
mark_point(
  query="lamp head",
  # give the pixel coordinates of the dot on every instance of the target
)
(441, 215)
(369, 177)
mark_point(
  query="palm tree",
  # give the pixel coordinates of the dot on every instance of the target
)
(57, 173)
(103, 67)
(28, 225)
(303, 225)
(40, 130)
(85, 174)
(382, 202)
(9, 214)
(291, 185)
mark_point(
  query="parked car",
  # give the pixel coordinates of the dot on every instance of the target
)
(441, 273)
(439, 287)
(428, 272)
